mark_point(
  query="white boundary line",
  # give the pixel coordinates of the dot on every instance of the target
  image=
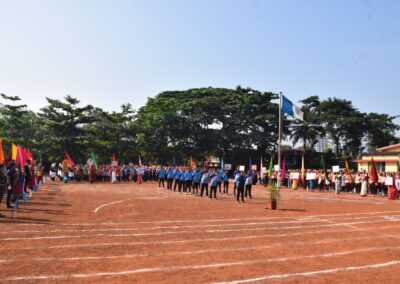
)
(312, 273)
(195, 240)
(80, 258)
(392, 218)
(192, 232)
(110, 203)
(206, 220)
(227, 264)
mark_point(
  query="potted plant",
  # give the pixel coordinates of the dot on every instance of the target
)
(273, 196)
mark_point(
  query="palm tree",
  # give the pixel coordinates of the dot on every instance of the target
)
(307, 130)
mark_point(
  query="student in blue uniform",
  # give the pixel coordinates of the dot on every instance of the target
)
(189, 181)
(161, 177)
(225, 177)
(182, 183)
(236, 173)
(219, 179)
(213, 184)
(204, 183)
(241, 181)
(170, 177)
(177, 176)
(248, 184)
(196, 181)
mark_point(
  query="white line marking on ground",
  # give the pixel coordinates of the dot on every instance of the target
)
(217, 265)
(392, 218)
(196, 240)
(190, 232)
(312, 273)
(202, 221)
(110, 203)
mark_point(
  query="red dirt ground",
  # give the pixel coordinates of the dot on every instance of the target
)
(114, 233)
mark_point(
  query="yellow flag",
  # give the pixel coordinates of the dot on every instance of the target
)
(14, 151)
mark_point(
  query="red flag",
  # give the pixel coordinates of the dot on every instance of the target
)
(140, 162)
(113, 159)
(21, 156)
(70, 161)
(373, 174)
(283, 169)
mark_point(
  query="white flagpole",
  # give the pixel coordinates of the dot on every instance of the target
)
(279, 148)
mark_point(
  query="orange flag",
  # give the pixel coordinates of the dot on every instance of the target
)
(2, 160)
(373, 174)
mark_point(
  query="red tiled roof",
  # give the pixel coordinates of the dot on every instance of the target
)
(387, 148)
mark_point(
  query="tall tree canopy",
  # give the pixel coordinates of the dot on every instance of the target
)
(232, 123)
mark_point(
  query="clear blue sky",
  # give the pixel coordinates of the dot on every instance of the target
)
(108, 53)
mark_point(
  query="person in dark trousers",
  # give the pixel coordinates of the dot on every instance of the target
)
(204, 183)
(213, 184)
(240, 186)
(170, 178)
(27, 174)
(226, 182)
(3, 184)
(248, 184)
(177, 176)
(12, 180)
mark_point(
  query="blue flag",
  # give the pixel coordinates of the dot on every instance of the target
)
(222, 163)
(173, 162)
(291, 109)
(250, 165)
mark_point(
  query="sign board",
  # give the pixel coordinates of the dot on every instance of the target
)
(227, 167)
(264, 170)
(276, 168)
(241, 168)
(389, 181)
(114, 164)
(311, 176)
(335, 169)
(254, 167)
(294, 175)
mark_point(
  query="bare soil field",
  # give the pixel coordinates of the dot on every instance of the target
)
(137, 233)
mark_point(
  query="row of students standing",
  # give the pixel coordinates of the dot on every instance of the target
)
(189, 181)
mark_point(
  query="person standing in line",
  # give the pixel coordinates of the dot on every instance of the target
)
(177, 176)
(236, 174)
(364, 185)
(338, 181)
(161, 178)
(170, 177)
(219, 180)
(226, 182)
(213, 184)
(27, 175)
(204, 183)
(248, 184)
(189, 181)
(196, 181)
(241, 181)
(357, 181)
(183, 179)
(3, 184)
(235, 181)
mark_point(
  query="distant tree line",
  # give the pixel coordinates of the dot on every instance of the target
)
(232, 123)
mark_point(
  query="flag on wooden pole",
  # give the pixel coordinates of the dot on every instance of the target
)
(373, 174)
(140, 162)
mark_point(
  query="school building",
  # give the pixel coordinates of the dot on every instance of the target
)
(386, 159)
